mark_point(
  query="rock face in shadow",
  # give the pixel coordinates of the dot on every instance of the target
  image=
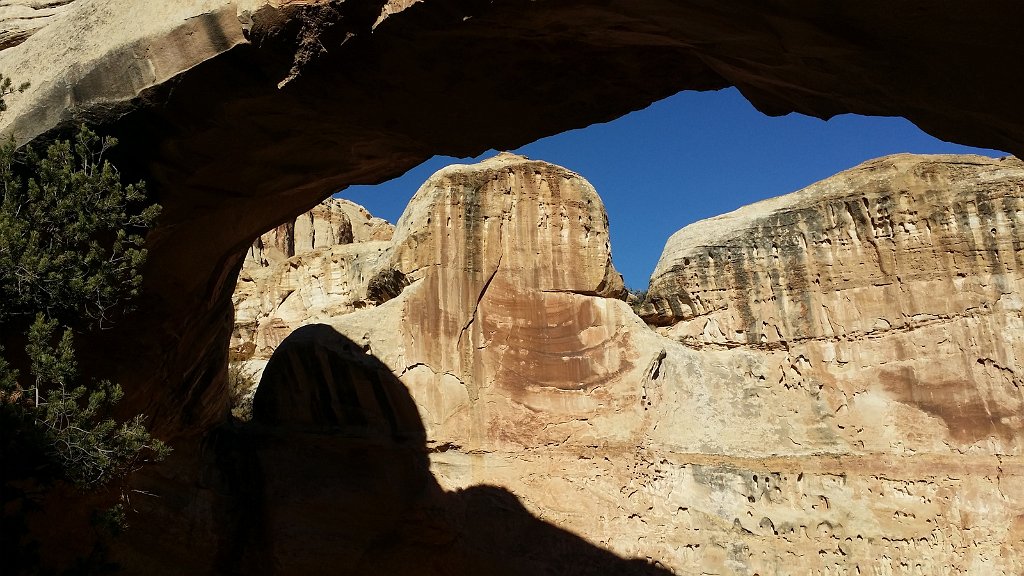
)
(821, 443)
(332, 477)
(241, 115)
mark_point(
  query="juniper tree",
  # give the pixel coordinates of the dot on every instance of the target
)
(71, 255)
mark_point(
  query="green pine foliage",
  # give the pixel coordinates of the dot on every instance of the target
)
(70, 241)
(7, 88)
(90, 450)
(71, 255)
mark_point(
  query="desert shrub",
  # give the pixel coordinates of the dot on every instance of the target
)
(241, 387)
(636, 299)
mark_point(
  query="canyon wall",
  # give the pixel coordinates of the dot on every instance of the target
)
(881, 309)
(332, 222)
(243, 114)
(833, 386)
(316, 266)
(896, 285)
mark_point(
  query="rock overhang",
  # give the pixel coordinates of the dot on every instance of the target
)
(263, 108)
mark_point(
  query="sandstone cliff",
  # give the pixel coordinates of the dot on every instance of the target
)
(318, 265)
(334, 221)
(896, 285)
(872, 326)
(750, 433)
(529, 235)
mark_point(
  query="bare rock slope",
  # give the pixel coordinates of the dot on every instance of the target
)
(835, 386)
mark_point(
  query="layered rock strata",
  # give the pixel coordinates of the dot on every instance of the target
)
(896, 285)
(700, 448)
(512, 323)
(873, 329)
(505, 332)
(319, 265)
(503, 251)
(332, 222)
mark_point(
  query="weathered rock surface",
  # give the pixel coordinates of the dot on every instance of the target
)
(512, 324)
(19, 19)
(332, 477)
(504, 335)
(243, 114)
(856, 375)
(897, 285)
(510, 242)
(869, 450)
(319, 265)
(334, 221)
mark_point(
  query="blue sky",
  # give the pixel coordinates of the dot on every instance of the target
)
(688, 157)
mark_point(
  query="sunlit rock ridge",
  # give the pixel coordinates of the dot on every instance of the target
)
(896, 285)
(830, 383)
(317, 265)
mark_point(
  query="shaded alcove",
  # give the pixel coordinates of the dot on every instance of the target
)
(332, 477)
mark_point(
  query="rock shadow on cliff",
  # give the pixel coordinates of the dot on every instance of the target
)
(332, 477)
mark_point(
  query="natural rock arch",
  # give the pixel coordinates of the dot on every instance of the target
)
(243, 114)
